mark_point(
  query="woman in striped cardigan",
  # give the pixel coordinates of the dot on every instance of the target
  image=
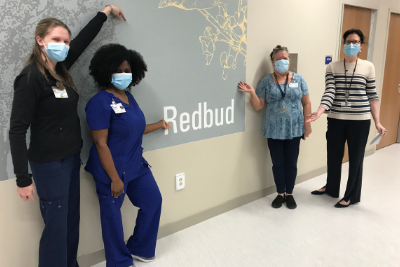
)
(349, 99)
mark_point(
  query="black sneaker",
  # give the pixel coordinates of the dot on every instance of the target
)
(290, 203)
(277, 203)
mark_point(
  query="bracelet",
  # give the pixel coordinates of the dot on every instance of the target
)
(110, 7)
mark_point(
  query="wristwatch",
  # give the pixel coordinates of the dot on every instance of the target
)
(110, 7)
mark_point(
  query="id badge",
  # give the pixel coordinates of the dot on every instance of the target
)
(293, 85)
(118, 108)
(58, 93)
(343, 104)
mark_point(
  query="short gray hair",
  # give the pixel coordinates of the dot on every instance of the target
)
(277, 49)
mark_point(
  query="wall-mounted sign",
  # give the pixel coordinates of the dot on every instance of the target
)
(195, 51)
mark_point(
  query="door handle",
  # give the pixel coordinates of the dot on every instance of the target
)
(399, 88)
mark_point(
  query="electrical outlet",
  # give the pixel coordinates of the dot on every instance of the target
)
(180, 181)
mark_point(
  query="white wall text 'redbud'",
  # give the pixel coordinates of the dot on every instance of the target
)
(203, 117)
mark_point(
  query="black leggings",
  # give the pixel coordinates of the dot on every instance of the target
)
(284, 155)
(355, 132)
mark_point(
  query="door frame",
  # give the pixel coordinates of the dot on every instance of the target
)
(390, 12)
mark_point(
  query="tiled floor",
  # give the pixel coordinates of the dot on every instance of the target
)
(314, 234)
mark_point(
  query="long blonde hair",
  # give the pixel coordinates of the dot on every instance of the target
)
(60, 74)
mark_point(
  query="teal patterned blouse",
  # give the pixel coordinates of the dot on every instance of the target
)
(278, 124)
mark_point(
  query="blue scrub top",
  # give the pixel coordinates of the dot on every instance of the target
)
(125, 135)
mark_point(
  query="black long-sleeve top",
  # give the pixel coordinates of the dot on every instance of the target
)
(54, 122)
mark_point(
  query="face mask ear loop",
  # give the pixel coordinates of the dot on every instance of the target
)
(44, 44)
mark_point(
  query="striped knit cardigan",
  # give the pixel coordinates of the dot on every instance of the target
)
(361, 92)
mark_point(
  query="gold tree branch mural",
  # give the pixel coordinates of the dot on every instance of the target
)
(225, 28)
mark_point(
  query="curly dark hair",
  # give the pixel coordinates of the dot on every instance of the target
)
(108, 58)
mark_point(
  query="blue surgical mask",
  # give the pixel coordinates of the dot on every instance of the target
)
(282, 65)
(56, 52)
(351, 50)
(121, 80)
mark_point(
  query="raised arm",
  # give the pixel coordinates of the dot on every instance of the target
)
(88, 33)
(257, 102)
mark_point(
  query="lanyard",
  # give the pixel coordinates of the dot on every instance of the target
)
(112, 98)
(283, 92)
(347, 94)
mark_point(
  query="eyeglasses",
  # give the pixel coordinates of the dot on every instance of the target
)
(354, 42)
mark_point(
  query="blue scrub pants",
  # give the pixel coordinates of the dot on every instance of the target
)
(58, 186)
(143, 192)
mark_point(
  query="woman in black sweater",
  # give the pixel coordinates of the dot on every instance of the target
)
(45, 99)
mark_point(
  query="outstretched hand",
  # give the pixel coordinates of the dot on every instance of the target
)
(315, 115)
(164, 125)
(117, 12)
(312, 117)
(245, 88)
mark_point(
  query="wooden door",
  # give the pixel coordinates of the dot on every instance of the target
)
(390, 100)
(356, 18)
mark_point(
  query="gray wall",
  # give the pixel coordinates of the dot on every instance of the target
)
(193, 56)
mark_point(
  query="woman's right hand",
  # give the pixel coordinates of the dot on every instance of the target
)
(117, 187)
(26, 192)
(315, 115)
(246, 88)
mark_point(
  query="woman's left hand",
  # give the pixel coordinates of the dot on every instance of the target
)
(164, 125)
(307, 126)
(382, 131)
(116, 11)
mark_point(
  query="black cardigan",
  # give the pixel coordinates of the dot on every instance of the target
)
(54, 122)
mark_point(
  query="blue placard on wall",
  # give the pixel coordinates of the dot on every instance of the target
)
(328, 59)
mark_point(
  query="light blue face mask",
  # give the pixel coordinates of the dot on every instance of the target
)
(351, 50)
(282, 65)
(121, 80)
(56, 52)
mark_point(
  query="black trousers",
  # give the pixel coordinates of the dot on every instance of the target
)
(356, 134)
(284, 155)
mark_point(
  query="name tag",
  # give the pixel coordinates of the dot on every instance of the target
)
(118, 108)
(343, 104)
(293, 85)
(58, 93)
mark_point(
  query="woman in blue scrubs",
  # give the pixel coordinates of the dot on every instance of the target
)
(116, 162)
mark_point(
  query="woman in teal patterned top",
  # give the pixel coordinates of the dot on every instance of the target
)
(286, 96)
